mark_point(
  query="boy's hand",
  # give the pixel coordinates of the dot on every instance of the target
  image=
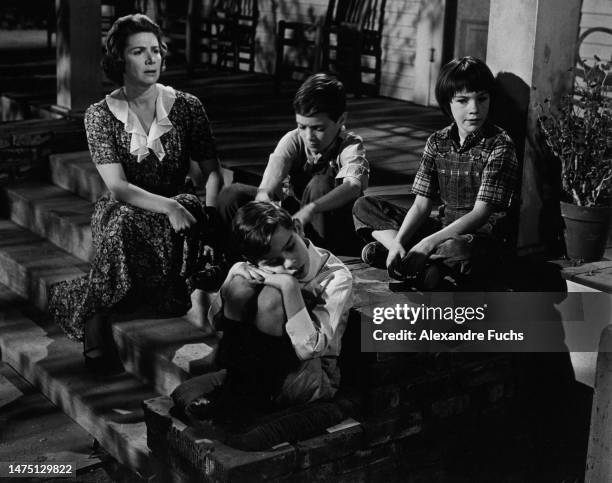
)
(247, 271)
(396, 253)
(415, 260)
(304, 215)
(280, 281)
(262, 196)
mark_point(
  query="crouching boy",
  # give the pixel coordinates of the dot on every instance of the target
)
(283, 312)
(317, 170)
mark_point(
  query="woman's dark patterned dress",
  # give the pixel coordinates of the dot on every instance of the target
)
(136, 251)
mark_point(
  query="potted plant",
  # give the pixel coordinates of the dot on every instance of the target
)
(579, 133)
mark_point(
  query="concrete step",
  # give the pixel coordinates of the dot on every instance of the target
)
(165, 352)
(34, 429)
(76, 172)
(29, 263)
(110, 410)
(53, 213)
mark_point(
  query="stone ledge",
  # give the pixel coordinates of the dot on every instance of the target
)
(597, 275)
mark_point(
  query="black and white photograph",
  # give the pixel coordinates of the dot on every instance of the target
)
(309, 241)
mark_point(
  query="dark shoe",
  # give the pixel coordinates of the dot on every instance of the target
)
(375, 254)
(102, 365)
(209, 278)
(99, 349)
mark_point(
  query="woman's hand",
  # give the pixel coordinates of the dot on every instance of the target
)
(180, 218)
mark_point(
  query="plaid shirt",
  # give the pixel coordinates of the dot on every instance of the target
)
(492, 152)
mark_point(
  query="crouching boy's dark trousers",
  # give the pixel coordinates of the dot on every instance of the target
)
(332, 230)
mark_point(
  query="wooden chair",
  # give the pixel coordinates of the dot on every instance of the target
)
(348, 43)
(224, 35)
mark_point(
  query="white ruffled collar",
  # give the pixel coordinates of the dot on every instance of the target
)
(140, 142)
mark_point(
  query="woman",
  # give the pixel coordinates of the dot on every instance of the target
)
(142, 138)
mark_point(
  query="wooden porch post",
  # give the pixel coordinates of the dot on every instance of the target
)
(78, 55)
(531, 44)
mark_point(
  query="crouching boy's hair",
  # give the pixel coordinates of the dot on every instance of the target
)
(320, 94)
(253, 227)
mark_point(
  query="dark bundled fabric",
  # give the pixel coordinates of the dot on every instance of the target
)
(294, 424)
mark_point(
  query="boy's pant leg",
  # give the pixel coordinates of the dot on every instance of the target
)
(372, 213)
(473, 255)
(333, 229)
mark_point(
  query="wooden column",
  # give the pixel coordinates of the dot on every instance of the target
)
(531, 45)
(599, 456)
(78, 55)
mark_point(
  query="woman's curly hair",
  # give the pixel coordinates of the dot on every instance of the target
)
(113, 62)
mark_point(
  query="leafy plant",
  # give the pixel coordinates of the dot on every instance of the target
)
(579, 133)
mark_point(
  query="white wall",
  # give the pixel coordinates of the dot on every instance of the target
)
(596, 13)
(399, 38)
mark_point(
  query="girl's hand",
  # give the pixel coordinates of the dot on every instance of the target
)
(180, 218)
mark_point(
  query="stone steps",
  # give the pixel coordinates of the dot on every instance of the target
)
(29, 263)
(76, 172)
(53, 213)
(163, 352)
(110, 410)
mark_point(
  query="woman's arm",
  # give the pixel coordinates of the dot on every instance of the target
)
(203, 149)
(122, 190)
(211, 171)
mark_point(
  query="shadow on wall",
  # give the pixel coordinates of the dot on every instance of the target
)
(510, 111)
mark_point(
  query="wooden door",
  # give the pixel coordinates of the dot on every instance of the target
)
(471, 28)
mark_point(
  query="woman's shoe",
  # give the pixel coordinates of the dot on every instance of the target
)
(102, 365)
(99, 349)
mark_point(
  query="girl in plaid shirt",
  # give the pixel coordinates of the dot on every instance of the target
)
(471, 167)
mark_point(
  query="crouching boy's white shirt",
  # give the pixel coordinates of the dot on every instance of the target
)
(315, 331)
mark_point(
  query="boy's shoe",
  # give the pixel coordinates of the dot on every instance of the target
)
(375, 254)
(209, 278)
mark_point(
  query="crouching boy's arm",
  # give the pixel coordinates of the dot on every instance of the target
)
(341, 195)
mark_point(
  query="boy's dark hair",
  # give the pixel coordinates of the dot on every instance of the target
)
(320, 93)
(113, 62)
(253, 227)
(467, 73)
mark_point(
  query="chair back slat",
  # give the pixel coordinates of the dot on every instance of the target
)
(363, 14)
